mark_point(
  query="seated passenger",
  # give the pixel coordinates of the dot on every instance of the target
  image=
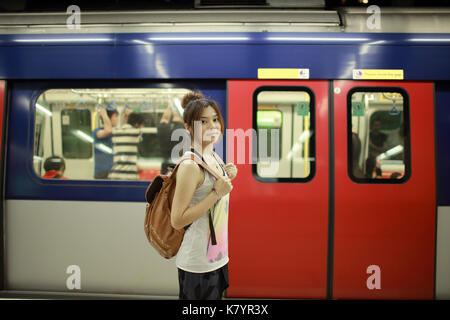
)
(125, 147)
(54, 168)
(377, 140)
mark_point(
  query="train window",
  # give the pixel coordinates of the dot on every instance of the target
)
(70, 132)
(378, 138)
(284, 124)
(76, 123)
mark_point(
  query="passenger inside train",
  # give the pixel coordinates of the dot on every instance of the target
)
(356, 152)
(125, 147)
(54, 168)
(171, 120)
(103, 137)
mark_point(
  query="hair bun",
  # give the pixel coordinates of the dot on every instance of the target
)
(189, 97)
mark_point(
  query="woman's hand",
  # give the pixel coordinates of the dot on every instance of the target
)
(223, 186)
(231, 170)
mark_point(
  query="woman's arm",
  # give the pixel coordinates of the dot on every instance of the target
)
(126, 114)
(188, 177)
(107, 126)
(166, 116)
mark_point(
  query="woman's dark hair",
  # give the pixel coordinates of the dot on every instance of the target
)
(135, 119)
(193, 104)
(54, 163)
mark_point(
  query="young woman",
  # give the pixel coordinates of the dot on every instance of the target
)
(200, 203)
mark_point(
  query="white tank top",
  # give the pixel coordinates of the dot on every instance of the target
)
(197, 254)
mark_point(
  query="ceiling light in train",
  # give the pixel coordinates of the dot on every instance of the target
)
(391, 152)
(83, 136)
(102, 147)
(43, 109)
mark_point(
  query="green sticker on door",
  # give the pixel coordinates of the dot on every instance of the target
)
(358, 109)
(303, 108)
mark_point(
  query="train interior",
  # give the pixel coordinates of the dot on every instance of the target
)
(66, 119)
(378, 137)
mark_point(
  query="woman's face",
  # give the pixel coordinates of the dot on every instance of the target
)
(208, 127)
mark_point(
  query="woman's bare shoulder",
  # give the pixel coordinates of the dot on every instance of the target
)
(189, 170)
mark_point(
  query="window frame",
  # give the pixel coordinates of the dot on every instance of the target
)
(407, 135)
(312, 145)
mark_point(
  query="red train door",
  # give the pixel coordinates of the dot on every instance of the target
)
(385, 197)
(278, 224)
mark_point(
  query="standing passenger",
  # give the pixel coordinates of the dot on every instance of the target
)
(377, 139)
(125, 147)
(201, 202)
(103, 143)
(171, 120)
(356, 152)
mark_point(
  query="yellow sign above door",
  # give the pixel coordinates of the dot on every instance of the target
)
(378, 74)
(283, 73)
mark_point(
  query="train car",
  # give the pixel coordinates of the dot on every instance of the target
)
(338, 122)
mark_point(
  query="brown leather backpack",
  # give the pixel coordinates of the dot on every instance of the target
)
(159, 195)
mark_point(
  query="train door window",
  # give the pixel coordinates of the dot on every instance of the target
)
(378, 138)
(68, 122)
(283, 118)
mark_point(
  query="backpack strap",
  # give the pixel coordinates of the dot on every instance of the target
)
(221, 164)
(219, 159)
(211, 228)
(201, 162)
